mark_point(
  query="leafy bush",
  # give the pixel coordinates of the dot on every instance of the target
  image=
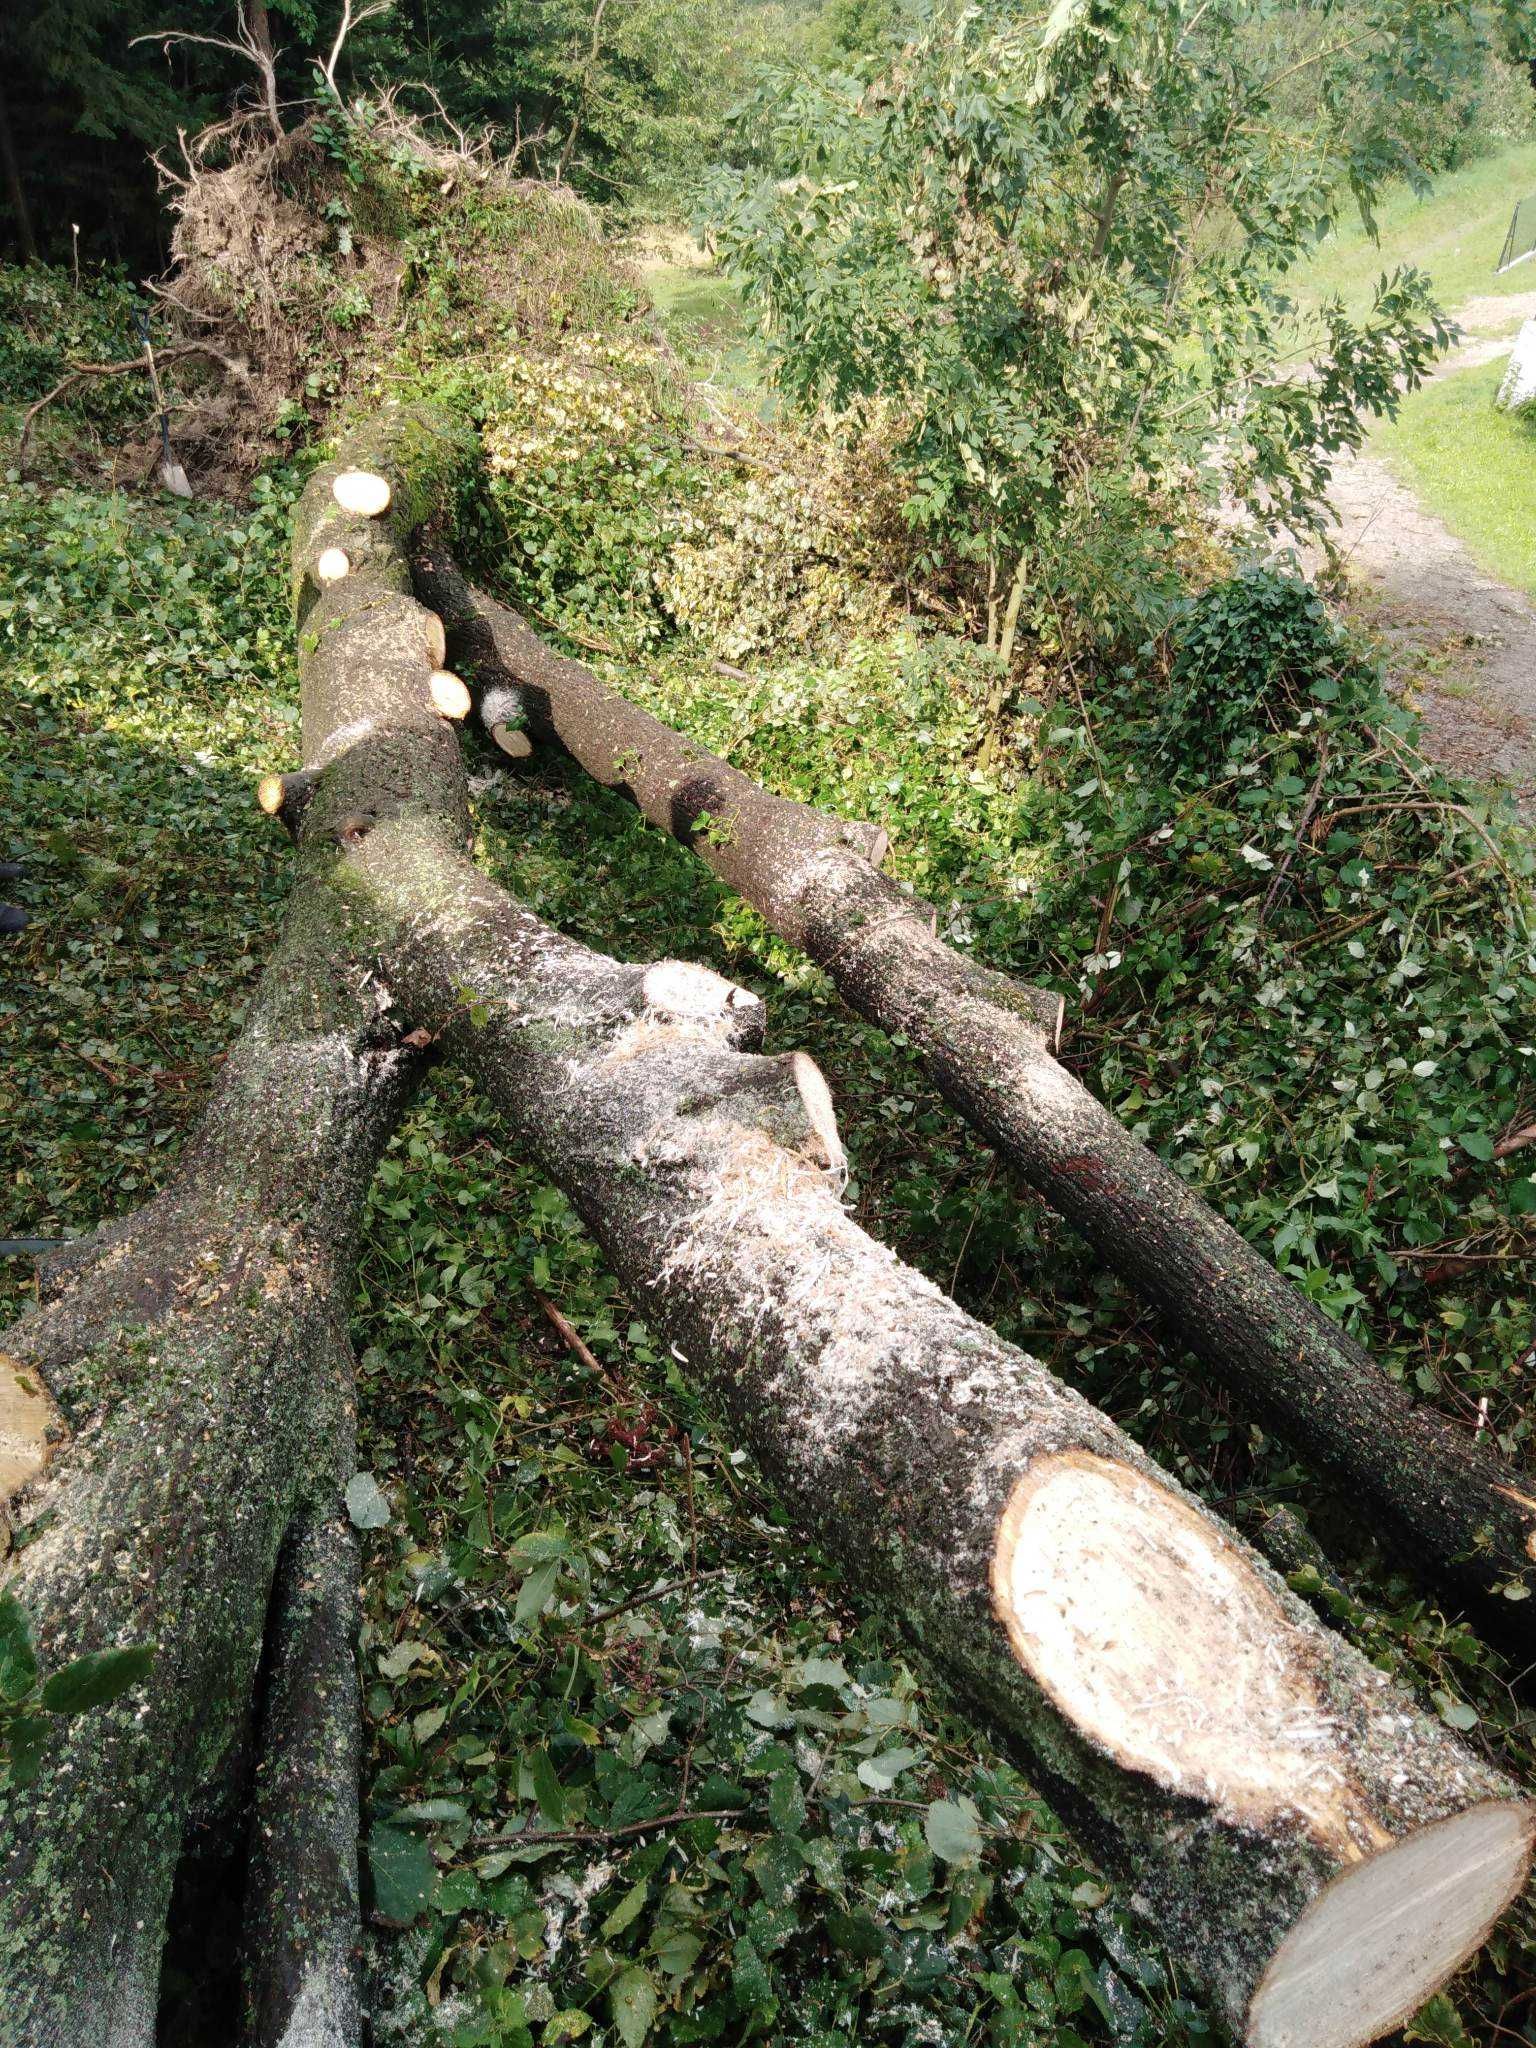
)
(47, 325)
(998, 252)
(1248, 655)
(792, 558)
(588, 478)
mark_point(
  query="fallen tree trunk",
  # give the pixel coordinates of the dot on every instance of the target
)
(988, 1044)
(197, 1352)
(1316, 1850)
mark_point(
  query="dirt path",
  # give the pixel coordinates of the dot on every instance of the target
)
(1464, 643)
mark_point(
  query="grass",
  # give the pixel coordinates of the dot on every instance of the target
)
(702, 312)
(1473, 466)
(1455, 234)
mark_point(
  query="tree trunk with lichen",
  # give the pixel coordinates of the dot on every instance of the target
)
(989, 1046)
(198, 1356)
(1316, 1849)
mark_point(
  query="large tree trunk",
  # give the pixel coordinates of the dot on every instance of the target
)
(988, 1044)
(198, 1352)
(1316, 1850)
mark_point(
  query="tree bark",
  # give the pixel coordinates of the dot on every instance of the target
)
(988, 1045)
(1316, 1850)
(198, 1352)
(303, 1949)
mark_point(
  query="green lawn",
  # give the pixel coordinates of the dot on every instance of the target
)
(703, 314)
(1456, 235)
(1473, 466)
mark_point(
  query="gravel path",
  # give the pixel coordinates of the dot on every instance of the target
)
(1465, 642)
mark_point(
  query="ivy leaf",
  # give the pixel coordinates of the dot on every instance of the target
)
(25, 1737)
(93, 1680)
(537, 1591)
(880, 1773)
(633, 2003)
(365, 1502)
(403, 1873)
(628, 1909)
(569, 2025)
(1455, 1713)
(856, 1934)
(546, 1788)
(786, 1804)
(18, 1660)
(950, 1830)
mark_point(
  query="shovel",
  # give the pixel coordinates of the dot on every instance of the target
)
(172, 475)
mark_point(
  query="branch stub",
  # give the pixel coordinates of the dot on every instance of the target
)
(362, 492)
(450, 694)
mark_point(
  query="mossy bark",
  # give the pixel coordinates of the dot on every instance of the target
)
(199, 1352)
(913, 1441)
(988, 1045)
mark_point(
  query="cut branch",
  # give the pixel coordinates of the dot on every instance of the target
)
(80, 372)
(988, 1045)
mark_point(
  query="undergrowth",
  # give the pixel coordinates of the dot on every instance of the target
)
(1297, 961)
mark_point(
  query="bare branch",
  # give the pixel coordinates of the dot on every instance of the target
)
(252, 42)
(349, 21)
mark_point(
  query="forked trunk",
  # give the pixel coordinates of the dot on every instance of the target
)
(1316, 1850)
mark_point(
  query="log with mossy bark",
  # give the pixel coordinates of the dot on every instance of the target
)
(190, 1374)
(989, 1045)
(1316, 1849)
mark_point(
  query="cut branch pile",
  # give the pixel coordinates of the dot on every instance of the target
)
(1317, 1851)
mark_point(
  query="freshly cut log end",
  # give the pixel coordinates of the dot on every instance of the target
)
(872, 842)
(287, 796)
(1153, 1633)
(436, 638)
(683, 990)
(362, 493)
(333, 565)
(1121, 1599)
(450, 693)
(816, 1098)
(1387, 1932)
(513, 741)
(29, 1426)
(503, 712)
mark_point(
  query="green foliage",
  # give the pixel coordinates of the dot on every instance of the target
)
(1003, 257)
(589, 478)
(1246, 654)
(27, 1699)
(46, 322)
